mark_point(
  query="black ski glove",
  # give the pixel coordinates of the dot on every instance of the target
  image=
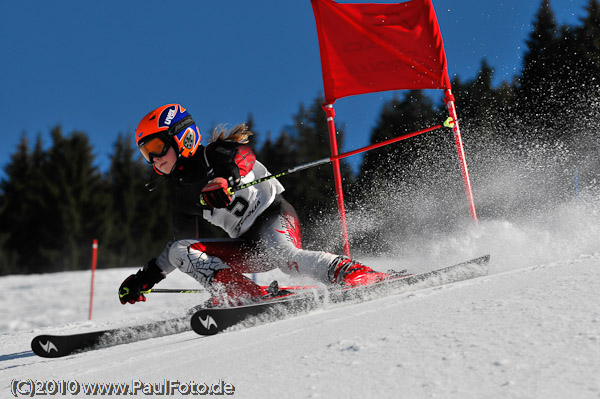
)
(131, 289)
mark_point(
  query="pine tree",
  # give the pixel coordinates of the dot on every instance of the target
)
(75, 201)
(54, 203)
(399, 161)
(483, 111)
(538, 82)
(278, 155)
(589, 38)
(17, 211)
(474, 99)
(587, 45)
(128, 235)
(585, 140)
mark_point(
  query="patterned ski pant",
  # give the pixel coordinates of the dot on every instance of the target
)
(274, 241)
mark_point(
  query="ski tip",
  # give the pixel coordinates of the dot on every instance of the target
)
(204, 324)
(44, 346)
(482, 259)
(481, 263)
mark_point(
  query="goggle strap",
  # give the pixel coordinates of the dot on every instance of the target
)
(180, 125)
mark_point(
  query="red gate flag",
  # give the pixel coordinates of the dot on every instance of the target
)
(367, 48)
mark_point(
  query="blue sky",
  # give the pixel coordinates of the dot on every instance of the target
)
(99, 66)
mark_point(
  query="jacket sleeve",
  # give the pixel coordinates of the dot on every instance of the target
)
(230, 160)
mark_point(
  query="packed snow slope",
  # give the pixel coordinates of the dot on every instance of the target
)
(530, 329)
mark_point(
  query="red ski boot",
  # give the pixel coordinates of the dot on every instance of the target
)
(232, 288)
(346, 272)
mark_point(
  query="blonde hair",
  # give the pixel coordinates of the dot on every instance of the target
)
(238, 133)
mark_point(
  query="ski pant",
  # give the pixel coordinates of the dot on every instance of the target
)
(273, 241)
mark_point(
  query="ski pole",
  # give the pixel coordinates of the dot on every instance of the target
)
(173, 291)
(447, 123)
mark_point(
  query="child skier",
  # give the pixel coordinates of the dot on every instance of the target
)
(266, 224)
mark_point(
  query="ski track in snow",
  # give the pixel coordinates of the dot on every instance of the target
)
(528, 330)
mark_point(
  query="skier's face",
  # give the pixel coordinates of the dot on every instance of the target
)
(165, 163)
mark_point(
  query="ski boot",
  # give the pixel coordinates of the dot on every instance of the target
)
(232, 288)
(349, 273)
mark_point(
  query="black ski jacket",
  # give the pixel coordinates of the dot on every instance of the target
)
(229, 160)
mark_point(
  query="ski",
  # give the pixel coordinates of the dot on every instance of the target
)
(462, 271)
(210, 321)
(53, 346)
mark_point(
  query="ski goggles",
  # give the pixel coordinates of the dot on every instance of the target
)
(155, 147)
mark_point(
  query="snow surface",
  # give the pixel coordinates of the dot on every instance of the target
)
(530, 329)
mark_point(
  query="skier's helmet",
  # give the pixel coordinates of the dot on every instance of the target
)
(166, 126)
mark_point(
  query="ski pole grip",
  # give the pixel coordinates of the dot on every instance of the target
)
(229, 191)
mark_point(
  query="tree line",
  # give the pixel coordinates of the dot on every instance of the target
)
(536, 132)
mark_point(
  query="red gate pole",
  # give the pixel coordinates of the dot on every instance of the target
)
(449, 99)
(337, 175)
(94, 261)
